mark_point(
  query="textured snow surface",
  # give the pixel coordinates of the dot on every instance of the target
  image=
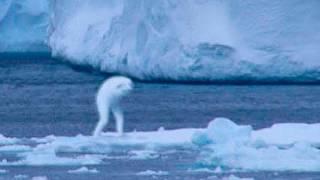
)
(223, 146)
(184, 40)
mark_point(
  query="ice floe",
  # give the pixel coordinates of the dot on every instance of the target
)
(229, 146)
(223, 146)
(21, 176)
(3, 171)
(152, 173)
(82, 170)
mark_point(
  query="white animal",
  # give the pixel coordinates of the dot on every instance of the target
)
(107, 99)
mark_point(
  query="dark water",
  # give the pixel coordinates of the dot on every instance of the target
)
(43, 97)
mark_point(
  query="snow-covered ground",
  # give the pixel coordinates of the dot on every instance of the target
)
(175, 40)
(223, 146)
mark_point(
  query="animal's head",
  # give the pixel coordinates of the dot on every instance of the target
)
(122, 85)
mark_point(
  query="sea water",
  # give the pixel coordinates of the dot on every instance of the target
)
(43, 97)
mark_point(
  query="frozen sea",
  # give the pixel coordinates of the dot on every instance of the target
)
(41, 96)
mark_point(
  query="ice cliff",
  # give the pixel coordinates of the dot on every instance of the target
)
(23, 25)
(186, 40)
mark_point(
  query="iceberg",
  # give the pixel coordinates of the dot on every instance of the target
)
(23, 26)
(191, 40)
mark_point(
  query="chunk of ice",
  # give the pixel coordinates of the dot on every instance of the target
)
(83, 170)
(152, 173)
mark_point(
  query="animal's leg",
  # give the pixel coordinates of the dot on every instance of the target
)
(103, 121)
(118, 115)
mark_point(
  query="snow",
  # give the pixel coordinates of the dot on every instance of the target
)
(183, 40)
(290, 133)
(152, 173)
(94, 150)
(223, 146)
(155, 138)
(36, 158)
(82, 170)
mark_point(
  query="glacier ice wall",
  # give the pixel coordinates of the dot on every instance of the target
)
(146, 39)
(191, 39)
(186, 40)
(23, 25)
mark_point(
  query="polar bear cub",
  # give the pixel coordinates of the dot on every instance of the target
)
(107, 101)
